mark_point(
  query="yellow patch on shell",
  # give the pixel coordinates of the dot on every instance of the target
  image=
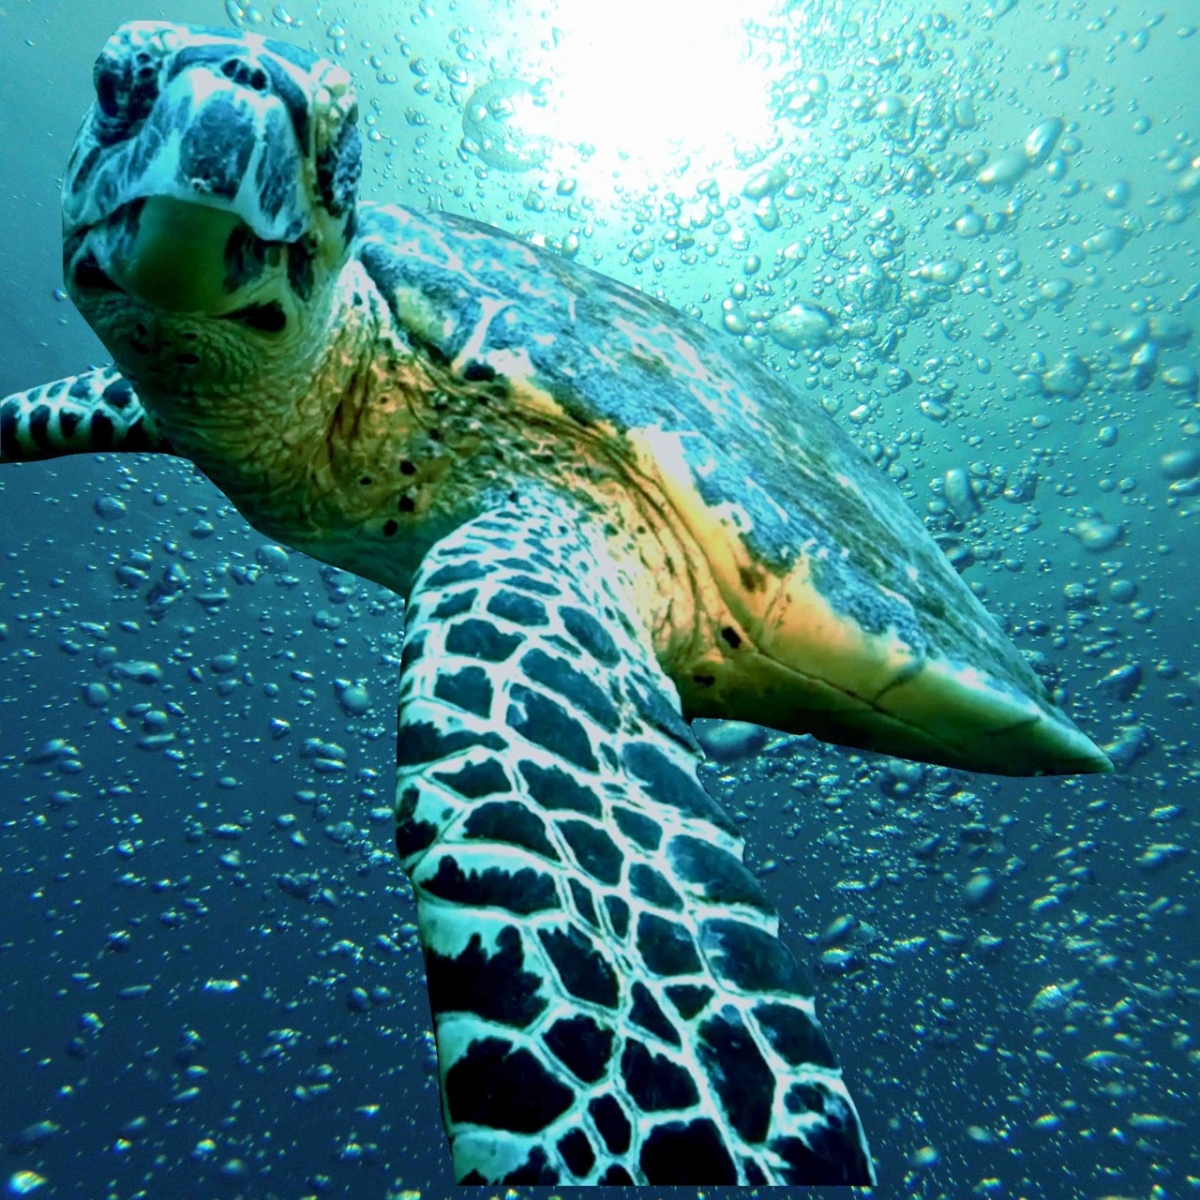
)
(774, 637)
(801, 629)
(784, 617)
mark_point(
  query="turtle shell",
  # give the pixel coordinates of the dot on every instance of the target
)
(833, 611)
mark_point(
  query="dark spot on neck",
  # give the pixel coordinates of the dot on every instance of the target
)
(266, 318)
(406, 504)
(407, 468)
(479, 372)
(390, 528)
(751, 580)
(732, 637)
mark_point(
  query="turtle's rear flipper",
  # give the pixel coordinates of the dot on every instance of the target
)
(97, 410)
(611, 1002)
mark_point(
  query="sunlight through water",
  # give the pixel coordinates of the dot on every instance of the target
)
(647, 82)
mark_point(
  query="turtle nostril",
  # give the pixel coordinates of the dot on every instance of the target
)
(240, 71)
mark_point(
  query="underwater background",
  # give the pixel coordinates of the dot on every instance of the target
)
(972, 231)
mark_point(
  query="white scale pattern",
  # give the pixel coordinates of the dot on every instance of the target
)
(748, 1115)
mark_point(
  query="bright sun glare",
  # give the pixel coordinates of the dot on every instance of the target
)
(651, 78)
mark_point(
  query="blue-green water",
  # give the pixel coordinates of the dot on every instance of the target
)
(971, 231)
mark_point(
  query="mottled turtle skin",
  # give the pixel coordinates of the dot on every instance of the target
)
(606, 521)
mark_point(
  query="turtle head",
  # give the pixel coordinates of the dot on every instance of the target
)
(215, 176)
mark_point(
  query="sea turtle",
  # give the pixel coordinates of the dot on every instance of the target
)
(606, 520)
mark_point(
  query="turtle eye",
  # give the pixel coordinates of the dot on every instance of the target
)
(107, 80)
(126, 88)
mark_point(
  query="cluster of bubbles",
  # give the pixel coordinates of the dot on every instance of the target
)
(975, 255)
(981, 257)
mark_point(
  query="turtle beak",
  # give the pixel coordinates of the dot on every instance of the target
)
(172, 254)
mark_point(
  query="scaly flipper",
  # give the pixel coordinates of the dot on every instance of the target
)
(97, 410)
(611, 1001)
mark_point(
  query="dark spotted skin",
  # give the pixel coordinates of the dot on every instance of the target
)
(611, 1001)
(97, 410)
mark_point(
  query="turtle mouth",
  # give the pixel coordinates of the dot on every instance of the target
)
(180, 255)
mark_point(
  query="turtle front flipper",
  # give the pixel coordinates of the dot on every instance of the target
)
(97, 410)
(611, 1001)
